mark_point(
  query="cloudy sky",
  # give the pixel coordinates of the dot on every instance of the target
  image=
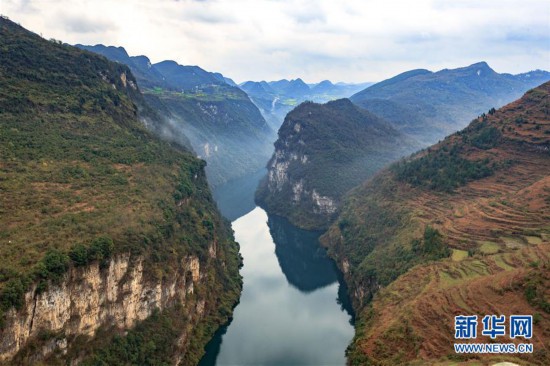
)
(352, 41)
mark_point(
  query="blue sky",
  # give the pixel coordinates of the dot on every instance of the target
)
(352, 41)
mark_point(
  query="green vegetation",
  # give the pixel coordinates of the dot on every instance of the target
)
(481, 134)
(214, 93)
(82, 180)
(220, 122)
(488, 247)
(443, 170)
(149, 343)
(384, 265)
(432, 247)
(12, 293)
(458, 255)
(343, 144)
(51, 268)
(99, 250)
(533, 239)
(290, 102)
(535, 286)
(431, 105)
(392, 226)
(385, 240)
(487, 138)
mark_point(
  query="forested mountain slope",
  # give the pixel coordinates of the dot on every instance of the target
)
(431, 105)
(324, 150)
(111, 248)
(461, 228)
(224, 127)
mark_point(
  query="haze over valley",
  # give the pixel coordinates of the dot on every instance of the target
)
(274, 183)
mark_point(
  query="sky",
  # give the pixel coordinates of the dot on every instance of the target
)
(351, 41)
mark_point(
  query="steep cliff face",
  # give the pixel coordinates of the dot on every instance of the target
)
(116, 295)
(460, 228)
(224, 127)
(112, 250)
(279, 180)
(322, 152)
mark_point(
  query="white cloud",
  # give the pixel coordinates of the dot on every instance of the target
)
(79, 23)
(271, 39)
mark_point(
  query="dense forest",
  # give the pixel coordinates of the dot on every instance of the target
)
(85, 184)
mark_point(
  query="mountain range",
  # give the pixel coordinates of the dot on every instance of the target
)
(219, 120)
(458, 228)
(431, 105)
(415, 108)
(113, 250)
(276, 98)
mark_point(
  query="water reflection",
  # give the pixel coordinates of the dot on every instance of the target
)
(212, 349)
(236, 198)
(290, 312)
(303, 261)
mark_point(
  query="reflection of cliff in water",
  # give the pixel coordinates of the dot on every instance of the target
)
(303, 261)
(212, 348)
(236, 198)
(343, 298)
(293, 308)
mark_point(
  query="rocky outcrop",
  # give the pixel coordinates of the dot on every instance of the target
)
(280, 181)
(323, 204)
(89, 297)
(322, 152)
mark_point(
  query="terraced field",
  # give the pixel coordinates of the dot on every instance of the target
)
(490, 212)
(484, 285)
(497, 227)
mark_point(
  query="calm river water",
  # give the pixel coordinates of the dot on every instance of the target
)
(293, 310)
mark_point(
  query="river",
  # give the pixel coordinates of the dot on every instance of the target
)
(294, 308)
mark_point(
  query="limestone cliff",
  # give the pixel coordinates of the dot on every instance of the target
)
(279, 179)
(91, 297)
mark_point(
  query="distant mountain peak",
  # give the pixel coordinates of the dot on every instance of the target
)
(142, 60)
(481, 64)
(325, 86)
(120, 48)
(297, 86)
(169, 63)
(480, 68)
(325, 82)
(115, 53)
(430, 105)
(256, 87)
(297, 81)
